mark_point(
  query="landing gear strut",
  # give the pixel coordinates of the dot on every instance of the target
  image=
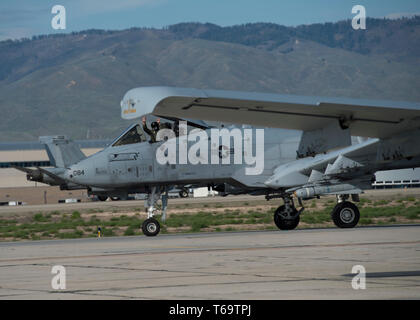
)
(345, 214)
(287, 217)
(151, 226)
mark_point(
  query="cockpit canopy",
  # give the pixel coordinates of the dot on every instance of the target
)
(134, 134)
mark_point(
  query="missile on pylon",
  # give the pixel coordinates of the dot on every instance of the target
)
(310, 192)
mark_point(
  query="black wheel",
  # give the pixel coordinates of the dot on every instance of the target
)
(102, 198)
(282, 222)
(345, 215)
(150, 227)
(183, 193)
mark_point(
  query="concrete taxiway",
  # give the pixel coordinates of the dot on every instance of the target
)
(299, 264)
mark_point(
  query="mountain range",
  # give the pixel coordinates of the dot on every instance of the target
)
(72, 83)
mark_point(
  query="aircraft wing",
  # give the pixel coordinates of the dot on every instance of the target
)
(191, 122)
(367, 118)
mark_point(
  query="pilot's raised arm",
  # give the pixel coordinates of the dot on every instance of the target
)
(145, 128)
(153, 132)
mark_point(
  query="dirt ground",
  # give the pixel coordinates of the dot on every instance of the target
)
(121, 212)
(40, 195)
(51, 195)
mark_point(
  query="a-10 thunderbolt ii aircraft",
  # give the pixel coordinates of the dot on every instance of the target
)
(312, 155)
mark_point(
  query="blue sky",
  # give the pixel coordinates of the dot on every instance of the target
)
(24, 18)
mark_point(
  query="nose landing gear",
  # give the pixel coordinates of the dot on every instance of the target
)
(151, 227)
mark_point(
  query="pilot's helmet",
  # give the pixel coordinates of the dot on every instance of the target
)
(155, 126)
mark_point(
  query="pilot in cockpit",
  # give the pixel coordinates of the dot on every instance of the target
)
(156, 126)
(151, 132)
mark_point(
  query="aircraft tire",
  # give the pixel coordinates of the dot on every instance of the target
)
(183, 194)
(345, 215)
(150, 227)
(283, 223)
(102, 198)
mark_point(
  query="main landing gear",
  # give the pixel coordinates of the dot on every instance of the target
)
(344, 215)
(287, 217)
(151, 226)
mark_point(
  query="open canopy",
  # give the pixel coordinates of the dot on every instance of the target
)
(133, 134)
(368, 118)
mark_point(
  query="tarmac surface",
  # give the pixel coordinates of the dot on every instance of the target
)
(299, 264)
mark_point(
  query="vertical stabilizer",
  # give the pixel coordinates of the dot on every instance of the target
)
(62, 151)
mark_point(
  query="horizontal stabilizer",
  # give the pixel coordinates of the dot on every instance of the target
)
(23, 169)
(52, 175)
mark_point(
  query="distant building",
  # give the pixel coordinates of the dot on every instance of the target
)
(405, 178)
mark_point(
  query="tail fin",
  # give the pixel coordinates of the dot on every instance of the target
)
(61, 151)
